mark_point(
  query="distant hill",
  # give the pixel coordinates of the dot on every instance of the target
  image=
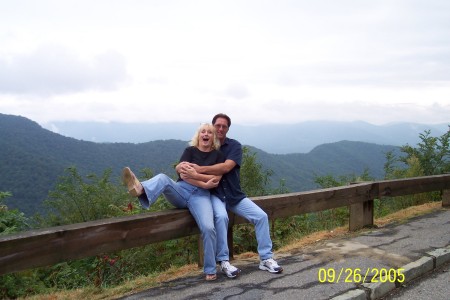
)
(32, 158)
(273, 138)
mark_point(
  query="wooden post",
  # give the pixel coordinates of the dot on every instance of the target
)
(201, 251)
(230, 235)
(230, 242)
(446, 198)
(361, 214)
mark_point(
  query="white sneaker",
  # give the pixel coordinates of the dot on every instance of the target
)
(228, 269)
(270, 265)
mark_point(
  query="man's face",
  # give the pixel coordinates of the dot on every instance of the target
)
(221, 126)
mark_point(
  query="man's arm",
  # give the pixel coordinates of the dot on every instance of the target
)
(217, 169)
(187, 171)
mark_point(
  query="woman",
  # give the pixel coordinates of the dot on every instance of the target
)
(188, 193)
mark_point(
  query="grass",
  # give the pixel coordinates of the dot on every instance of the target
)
(143, 283)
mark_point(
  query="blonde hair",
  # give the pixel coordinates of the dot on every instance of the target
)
(195, 139)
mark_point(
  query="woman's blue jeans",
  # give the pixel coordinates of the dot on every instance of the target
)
(184, 195)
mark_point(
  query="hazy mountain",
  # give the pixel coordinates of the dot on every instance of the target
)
(32, 158)
(276, 138)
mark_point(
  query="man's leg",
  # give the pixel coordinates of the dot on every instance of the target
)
(248, 209)
(221, 224)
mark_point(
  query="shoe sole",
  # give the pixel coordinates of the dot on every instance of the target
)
(268, 270)
(231, 275)
(129, 181)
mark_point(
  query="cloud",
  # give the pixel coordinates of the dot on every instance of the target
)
(285, 61)
(237, 91)
(52, 69)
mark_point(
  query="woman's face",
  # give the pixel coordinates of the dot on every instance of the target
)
(206, 136)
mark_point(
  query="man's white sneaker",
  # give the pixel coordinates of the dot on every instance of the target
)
(270, 265)
(228, 269)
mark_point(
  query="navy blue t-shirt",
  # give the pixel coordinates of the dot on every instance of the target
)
(229, 189)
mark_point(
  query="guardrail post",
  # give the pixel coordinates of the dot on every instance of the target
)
(201, 252)
(230, 235)
(446, 198)
(361, 214)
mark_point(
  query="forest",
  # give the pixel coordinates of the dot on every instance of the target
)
(36, 157)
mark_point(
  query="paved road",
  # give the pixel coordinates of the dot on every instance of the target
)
(335, 269)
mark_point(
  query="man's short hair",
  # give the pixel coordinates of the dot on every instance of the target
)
(222, 116)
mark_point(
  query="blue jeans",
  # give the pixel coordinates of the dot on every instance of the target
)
(247, 209)
(184, 195)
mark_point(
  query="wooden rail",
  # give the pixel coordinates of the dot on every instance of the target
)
(48, 246)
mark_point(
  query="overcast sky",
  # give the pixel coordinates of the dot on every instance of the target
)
(259, 61)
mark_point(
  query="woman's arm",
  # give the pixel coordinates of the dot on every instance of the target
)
(209, 184)
(188, 174)
(189, 171)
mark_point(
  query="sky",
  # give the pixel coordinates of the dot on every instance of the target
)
(258, 61)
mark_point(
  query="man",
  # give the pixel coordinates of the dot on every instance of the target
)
(229, 195)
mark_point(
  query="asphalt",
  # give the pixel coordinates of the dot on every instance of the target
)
(341, 268)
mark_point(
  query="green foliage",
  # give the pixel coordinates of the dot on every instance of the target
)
(431, 156)
(11, 221)
(254, 180)
(21, 284)
(81, 199)
(389, 166)
(328, 181)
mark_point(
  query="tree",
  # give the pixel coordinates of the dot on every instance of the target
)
(432, 154)
(329, 180)
(80, 199)
(11, 221)
(254, 180)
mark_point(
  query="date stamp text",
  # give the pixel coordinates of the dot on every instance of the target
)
(357, 275)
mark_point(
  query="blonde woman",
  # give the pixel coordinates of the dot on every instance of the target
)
(188, 193)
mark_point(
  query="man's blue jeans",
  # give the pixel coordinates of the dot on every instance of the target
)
(247, 209)
(184, 195)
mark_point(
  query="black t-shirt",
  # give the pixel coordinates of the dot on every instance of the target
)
(194, 155)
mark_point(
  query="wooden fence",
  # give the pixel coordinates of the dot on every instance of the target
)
(49, 246)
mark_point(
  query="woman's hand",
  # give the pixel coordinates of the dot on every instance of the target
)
(212, 183)
(187, 171)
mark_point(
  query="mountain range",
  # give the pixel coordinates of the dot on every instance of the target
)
(32, 158)
(271, 138)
